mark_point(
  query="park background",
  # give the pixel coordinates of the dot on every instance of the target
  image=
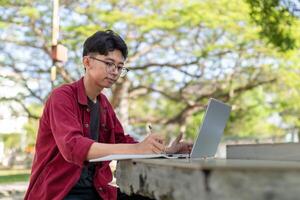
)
(181, 53)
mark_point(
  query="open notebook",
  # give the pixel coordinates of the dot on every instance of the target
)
(208, 139)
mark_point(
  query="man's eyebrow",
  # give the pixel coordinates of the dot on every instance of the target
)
(110, 59)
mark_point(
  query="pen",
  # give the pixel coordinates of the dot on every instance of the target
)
(150, 128)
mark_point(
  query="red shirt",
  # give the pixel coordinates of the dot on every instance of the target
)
(63, 143)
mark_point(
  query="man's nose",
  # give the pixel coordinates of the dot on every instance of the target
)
(115, 71)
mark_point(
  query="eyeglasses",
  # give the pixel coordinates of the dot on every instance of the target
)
(111, 67)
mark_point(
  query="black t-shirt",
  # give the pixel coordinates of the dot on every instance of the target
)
(85, 183)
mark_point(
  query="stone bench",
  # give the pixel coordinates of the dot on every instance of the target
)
(211, 179)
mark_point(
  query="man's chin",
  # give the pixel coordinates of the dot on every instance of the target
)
(109, 85)
(110, 81)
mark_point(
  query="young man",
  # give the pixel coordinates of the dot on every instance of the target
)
(79, 124)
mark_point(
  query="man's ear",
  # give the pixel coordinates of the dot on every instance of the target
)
(86, 62)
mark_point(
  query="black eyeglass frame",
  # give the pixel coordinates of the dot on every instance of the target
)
(121, 70)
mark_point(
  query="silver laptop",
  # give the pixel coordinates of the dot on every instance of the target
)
(208, 139)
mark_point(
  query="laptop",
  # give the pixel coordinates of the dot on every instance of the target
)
(207, 141)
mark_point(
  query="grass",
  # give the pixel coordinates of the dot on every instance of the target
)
(14, 175)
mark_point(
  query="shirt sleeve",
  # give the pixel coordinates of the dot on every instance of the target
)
(67, 128)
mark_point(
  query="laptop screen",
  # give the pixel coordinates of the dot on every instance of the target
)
(211, 129)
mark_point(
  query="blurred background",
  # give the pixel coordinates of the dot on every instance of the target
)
(181, 53)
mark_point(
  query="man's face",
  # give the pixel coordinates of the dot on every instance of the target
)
(102, 69)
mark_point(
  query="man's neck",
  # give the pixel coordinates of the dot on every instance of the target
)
(91, 90)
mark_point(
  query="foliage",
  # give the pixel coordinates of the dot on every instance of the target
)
(276, 22)
(14, 175)
(181, 54)
(11, 141)
(32, 126)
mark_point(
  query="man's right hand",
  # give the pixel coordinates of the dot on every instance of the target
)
(153, 143)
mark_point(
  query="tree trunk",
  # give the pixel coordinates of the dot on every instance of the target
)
(120, 101)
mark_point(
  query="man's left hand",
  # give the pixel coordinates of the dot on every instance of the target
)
(178, 146)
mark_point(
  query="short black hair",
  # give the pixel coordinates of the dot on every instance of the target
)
(103, 42)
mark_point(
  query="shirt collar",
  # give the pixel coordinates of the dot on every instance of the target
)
(82, 97)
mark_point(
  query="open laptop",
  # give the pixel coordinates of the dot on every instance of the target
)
(208, 139)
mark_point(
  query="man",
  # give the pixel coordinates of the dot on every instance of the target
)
(79, 124)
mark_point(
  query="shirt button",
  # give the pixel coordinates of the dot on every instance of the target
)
(88, 110)
(86, 125)
(100, 189)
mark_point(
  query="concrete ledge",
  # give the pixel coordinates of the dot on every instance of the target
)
(279, 151)
(164, 179)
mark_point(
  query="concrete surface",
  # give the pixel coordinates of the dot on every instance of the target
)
(13, 191)
(165, 179)
(277, 151)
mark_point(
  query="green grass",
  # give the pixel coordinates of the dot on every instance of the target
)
(14, 175)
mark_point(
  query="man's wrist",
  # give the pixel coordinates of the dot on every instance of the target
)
(135, 148)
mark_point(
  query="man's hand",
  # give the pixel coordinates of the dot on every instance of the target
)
(179, 147)
(153, 143)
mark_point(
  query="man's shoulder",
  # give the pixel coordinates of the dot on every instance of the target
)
(103, 97)
(67, 89)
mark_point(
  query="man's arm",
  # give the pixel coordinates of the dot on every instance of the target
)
(151, 144)
(66, 127)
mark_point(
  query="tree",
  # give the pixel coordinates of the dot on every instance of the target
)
(181, 53)
(276, 19)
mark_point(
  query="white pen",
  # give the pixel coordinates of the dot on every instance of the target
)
(150, 131)
(150, 128)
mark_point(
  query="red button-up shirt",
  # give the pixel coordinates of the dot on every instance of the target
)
(63, 142)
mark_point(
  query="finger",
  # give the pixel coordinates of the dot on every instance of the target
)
(184, 147)
(158, 138)
(161, 141)
(188, 144)
(158, 145)
(156, 150)
(179, 137)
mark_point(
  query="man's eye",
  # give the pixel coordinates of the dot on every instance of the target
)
(120, 68)
(110, 64)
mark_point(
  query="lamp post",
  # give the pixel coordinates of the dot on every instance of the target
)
(55, 31)
(58, 51)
